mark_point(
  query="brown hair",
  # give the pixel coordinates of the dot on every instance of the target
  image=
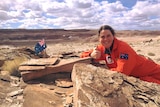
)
(106, 27)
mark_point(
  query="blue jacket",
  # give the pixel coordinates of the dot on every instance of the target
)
(38, 48)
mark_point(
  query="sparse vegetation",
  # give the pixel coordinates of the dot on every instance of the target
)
(138, 50)
(158, 59)
(151, 54)
(12, 65)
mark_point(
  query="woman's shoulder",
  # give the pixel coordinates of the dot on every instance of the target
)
(121, 43)
(124, 46)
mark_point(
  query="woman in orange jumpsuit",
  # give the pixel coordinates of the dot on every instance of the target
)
(119, 56)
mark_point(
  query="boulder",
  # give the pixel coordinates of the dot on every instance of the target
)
(42, 95)
(100, 87)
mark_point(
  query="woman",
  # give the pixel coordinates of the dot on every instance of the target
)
(119, 56)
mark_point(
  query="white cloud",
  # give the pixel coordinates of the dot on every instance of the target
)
(79, 14)
(142, 16)
(28, 23)
(145, 9)
(3, 15)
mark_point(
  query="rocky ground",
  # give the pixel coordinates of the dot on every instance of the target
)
(56, 90)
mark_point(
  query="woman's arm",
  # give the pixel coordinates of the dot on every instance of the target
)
(86, 54)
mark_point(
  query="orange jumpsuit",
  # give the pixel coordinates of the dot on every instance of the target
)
(124, 59)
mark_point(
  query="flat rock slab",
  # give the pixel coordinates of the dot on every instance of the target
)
(62, 66)
(30, 68)
(41, 61)
(37, 96)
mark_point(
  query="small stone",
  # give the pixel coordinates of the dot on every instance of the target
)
(14, 93)
(64, 83)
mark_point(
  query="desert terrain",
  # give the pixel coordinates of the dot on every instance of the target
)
(60, 41)
(78, 40)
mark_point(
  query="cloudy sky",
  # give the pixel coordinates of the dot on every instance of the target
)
(80, 14)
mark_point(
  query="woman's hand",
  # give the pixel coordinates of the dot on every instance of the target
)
(96, 54)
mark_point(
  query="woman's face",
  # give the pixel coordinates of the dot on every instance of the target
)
(106, 38)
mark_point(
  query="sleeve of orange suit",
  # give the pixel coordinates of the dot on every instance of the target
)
(86, 53)
(126, 61)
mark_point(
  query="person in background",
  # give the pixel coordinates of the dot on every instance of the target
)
(40, 48)
(119, 56)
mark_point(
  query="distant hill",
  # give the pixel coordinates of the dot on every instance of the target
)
(31, 34)
(138, 33)
(34, 34)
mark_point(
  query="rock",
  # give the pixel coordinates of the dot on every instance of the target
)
(64, 83)
(37, 96)
(11, 95)
(14, 93)
(1, 62)
(15, 81)
(41, 61)
(5, 76)
(63, 91)
(30, 68)
(99, 87)
(4, 73)
(62, 66)
(69, 101)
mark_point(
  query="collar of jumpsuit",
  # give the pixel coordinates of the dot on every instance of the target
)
(108, 51)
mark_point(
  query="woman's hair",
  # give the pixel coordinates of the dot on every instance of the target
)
(106, 27)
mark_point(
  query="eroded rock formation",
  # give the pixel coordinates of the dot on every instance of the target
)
(99, 87)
